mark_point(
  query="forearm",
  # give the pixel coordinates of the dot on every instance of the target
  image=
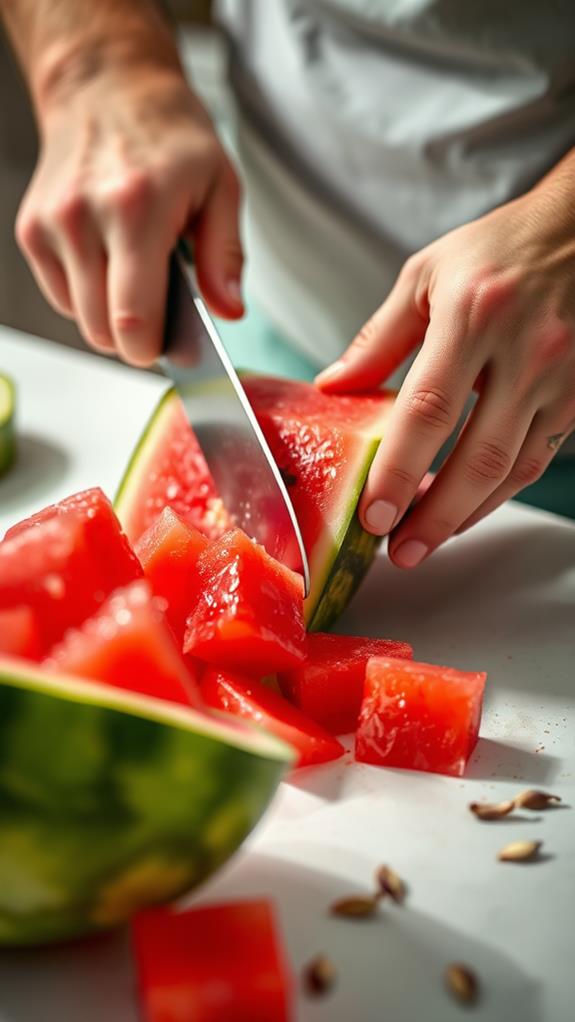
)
(63, 43)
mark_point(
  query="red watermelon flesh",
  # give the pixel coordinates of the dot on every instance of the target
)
(249, 615)
(251, 700)
(168, 552)
(128, 645)
(19, 633)
(328, 686)
(64, 561)
(419, 716)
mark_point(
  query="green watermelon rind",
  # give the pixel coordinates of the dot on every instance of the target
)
(7, 430)
(145, 448)
(110, 801)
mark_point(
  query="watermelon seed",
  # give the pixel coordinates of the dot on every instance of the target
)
(319, 975)
(462, 982)
(519, 851)
(535, 800)
(491, 810)
(389, 882)
(355, 907)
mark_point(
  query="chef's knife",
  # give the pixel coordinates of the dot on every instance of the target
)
(236, 451)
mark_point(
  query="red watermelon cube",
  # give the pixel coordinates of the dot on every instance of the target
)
(328, 686)
(419, 716)
(19, 633)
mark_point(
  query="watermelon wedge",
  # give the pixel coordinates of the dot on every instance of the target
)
(111, 801)
(323, 444)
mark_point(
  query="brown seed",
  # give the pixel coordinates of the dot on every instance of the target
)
(354, 907)
(462, 982)
(519, 851)
(319, 975)
(535, 800)
(389, 882)
(491, 810)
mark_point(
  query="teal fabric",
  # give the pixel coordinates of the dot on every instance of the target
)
(254, 343)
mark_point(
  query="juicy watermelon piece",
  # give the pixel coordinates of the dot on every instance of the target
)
(419, 716)
(19, 633)
(216, 963)
(127, 644)
(168, 552)
(255, 701)
(64, 561)
(250, 611)
(112, 801)
(168, 469)
(329, 684)
(324, 445)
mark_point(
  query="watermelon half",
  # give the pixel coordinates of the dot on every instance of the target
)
(111, 801)
(324, 445)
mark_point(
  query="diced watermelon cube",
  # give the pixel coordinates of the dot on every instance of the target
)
(19, 633)
(64, 561)
(250, 612)
(419, 716)
(128, 645)
(168, 552)
(252, 700)
(216, 963)
(328, 686)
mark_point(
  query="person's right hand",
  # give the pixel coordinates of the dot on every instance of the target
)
(128, 163)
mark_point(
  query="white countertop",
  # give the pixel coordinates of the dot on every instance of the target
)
(501, 598)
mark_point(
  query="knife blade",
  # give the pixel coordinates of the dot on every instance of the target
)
(237, 454)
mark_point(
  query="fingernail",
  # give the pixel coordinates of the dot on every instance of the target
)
(410, 553)
(234, 291)
(331, 372)
(380, 516)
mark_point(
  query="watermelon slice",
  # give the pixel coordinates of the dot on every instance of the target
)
(64, 561)
(216, 963)
(250, 611)
(168, 552)
(127, 644)
(19, 633)
(112, 801)
(418, 716)
(328, 686)
(323, 444)
(252, 700)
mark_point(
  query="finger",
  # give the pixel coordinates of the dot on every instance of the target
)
(425, 414)
(218, 248)
(481, 461)
(44, 264)
(87, 283)
(548, 432)
(137, 287)
(382, 344)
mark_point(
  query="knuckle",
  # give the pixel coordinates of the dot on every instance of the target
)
(69, 211)
(527, 471)
(28, 231)
(127, 323)
(491, 462)
(484, 295)
(402, 476)
(128, 195)
(366, 338)
(432, 407)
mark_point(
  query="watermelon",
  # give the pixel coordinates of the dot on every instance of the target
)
(215, 963)
(323, 444)
(7, 431)
(249, 615)
(419, 716)
(168, 552)
(127, 644)
(255, 701)
(328, 686)
(64, 561)
(19, 633)
(112, 801)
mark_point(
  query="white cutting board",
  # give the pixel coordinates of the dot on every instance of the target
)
(501, 598)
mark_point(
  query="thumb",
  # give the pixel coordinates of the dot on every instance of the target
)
(382, 344)
(218, 248)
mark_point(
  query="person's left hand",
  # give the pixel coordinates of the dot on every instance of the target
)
(494, 304)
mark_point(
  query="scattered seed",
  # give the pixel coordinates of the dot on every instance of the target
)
(491, 810)
(535, 800)
(354, 907)
(462, 982)
(389, 882)
(319, 975)
(519, 851)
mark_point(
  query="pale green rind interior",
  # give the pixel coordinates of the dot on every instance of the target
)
(20, 674)
(7, 399)
(144, 451)
(7, 436)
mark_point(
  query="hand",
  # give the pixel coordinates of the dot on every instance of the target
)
(494, 303)
(128, 163)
